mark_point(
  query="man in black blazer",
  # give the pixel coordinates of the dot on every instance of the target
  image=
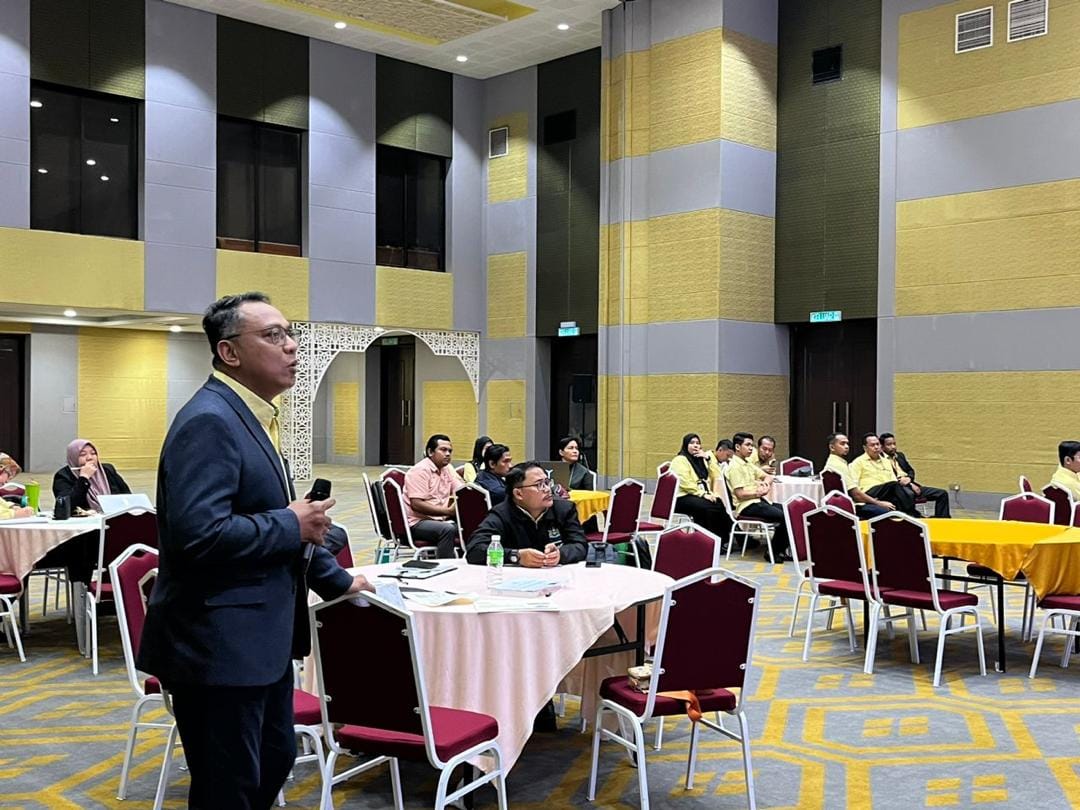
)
(227, 613)
(903, 468)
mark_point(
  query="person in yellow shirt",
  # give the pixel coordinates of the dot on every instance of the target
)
(8, 470)
(764, 456)
(719, 457)
(748, 495)
(838, 452)
(1067, 475)
(865, 506)
(474, 466)
(873, 477)
(695, 496)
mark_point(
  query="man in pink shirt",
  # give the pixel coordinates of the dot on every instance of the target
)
(429, 486)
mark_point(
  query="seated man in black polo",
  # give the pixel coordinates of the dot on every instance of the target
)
(536, 529)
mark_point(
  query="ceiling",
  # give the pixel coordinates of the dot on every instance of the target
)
(497, 36)
(115, 318)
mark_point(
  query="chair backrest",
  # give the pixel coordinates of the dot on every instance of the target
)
(834, 548)
(662, 468)
(795, 508)
(840, 500)
(663, 502)
(471, 504)
(1025, 484)
(795, 464)
(685, 550)
(346, 690)
(693, 650)
(124, 530)
(590, 476)
(1063, 503)
(460, 470)
(902, 557)
(344, 557)
(396, 475)
(371, 505)
(625, 507)
(132, 574)
(831, 479)
(395, 511)
(1027, 507)
(377, 501)
(1076, 515)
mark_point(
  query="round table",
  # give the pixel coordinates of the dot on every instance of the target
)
(785, 486)
(25, 541)
(508, 665)
(590, 502)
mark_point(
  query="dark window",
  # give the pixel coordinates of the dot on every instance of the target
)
(410, 204)
(84, 162)
(560, 127)
(258, 187)
(828, 64)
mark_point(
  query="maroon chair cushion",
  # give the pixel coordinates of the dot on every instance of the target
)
(844, 588)
(646, 526)
(103, 591)
(612, 537)
(618, 690)
(306, 708)
(923, 599)
(455, 730)
(152, 686)
(10, 585)
(1060, 602)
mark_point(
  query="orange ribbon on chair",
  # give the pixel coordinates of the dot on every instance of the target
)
(693, 705)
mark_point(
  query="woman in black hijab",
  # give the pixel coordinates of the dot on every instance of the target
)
(695, 496)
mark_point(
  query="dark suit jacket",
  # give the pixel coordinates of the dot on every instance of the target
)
(223, 608)
(70, 483)
(517, 530)
(905, 465)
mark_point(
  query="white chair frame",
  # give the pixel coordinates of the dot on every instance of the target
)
(801, 569)
(808, 462)
(637, 519)
(419, 552)
(745, 527)
(1070, 620)
(815, 594)
(666, 521)
(11, 626)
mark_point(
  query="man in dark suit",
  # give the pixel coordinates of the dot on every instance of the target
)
(903, 468)
(227, 613)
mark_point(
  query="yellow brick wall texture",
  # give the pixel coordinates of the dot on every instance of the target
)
(987, 427)
(937, 85)
(625, 96)
(685, 90)
(414, 298)
(346, 405)
(52, 269)
(283, 278)
(122, 390)
(506, 297)
(450, 408)
(748, 95)
(506, 414)
(508, 176)
(1010, 248)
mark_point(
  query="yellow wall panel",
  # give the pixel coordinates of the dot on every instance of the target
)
(936, 84)
(508, 176)
(974, 415)
(1003, 249)
(283, 278)
(748, 97)
(421, 299)
(346, 404)
(683, 269)
(506, 299)
(506, 413)
(626, 122)
(53, 269)
(685, 89)
(450, 408)
(122, 395)
(747, 258)
(14, 328)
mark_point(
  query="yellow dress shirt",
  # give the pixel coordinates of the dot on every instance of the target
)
(1067, 480)
(867, 473)
(761, 470)
(689, 484)
(837, 464)
(264, 412)
(741, 474)
(7, 510)
(468, 473)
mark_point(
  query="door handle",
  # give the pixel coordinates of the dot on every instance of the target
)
(847, 416)
(835, 429)
(403, 422)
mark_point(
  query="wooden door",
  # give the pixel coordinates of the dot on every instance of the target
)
(397, 401)
(13, 396)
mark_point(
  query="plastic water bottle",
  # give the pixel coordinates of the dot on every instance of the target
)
(495, 555)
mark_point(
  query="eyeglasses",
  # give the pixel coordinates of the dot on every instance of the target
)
(539, 486)
(275, 334)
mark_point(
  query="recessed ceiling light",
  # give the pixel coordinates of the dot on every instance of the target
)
(114, 120)
(174, 328)
(91, 162)
(462, 58)
(42, 171)
(105, 178)
(563, 26)
(70, 313)
(340, 25)
(36, 104)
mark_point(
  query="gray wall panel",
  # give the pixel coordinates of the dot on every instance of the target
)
(176, 74)
(188, 362)
(628, 179)
(722, 346)
(755, 18)
(163, 173)
(686, 178)
(54, 387)
(466, 230)
(181, 135)
(15, 113)
(981, 153)
(342, 292)
(505, 359)
(14, 101)
(886, 290)
(342, 91)
(14, 151)
(886, 368)
(747, 179)
(340, 162)
(179, 216)
(180, 278)
(508, 225)
(342, 198)
(341, 236)
(679, 18)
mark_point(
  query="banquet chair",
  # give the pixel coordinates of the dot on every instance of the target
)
(795, 508)
(747, 528)
(399, 522)
(1076, 515)
(795, 464)
(662, 509)
(395, 474)
(119, 532)
(10, 590)
(1025, 484)
(622, 517)
(383, 710)
(835, 564)
(471, 505)
(662, 468)
(384, 542)
(841, 500)
(1063, 503)
(904, 576)
(696, 657)
(1067, 607)
(832, 480)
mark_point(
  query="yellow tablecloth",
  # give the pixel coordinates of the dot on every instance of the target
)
(589, 502)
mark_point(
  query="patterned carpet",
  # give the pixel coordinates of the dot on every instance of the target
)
(824, 734)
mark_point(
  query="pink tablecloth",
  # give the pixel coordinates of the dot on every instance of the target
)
(23, 543)
(508, 665)
(784, 486)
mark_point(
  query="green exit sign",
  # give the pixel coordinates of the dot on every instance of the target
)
(825, 316)
(569, 331)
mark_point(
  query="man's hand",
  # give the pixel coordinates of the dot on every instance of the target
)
(552, 555)
(314, 522)
(531, 558)
(360, 583)
(886, 505)
(916, 488)
(24, 511)
(904, 480)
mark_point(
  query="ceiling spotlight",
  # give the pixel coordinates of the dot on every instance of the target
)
(37, 105)
(70, 313)
(43, 171)
(462, 58)
(91, 162)
(339, 25)
(563, 26)
(105, 178)
(174, 328)
(114, 120)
